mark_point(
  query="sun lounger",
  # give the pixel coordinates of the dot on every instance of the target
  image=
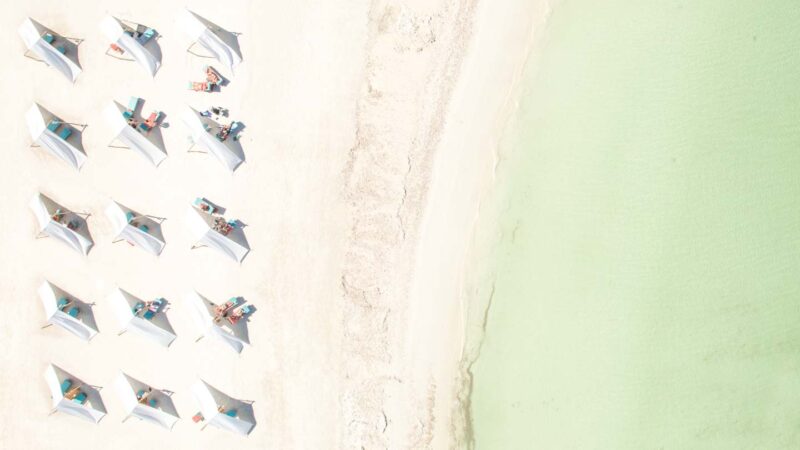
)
(246, 309)
(148, 314)
(49, 38)
(80, 398)
(133, 103)
(144, 127)
(230, 413)
(74, 311)
(198, 417)
(200, 86)
(144, 228)
(145, 37)
(152, 402)
(137, 307)
(65, 133)
(61, 49)
(152, 121)
(53, 125)
(62, 303)
(129, 215)
(65, 385)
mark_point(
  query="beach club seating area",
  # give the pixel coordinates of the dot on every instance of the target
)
(147, 319)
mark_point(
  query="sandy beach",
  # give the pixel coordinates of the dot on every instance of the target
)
(370, 135)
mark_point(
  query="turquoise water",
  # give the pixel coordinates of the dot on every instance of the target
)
(647, 290)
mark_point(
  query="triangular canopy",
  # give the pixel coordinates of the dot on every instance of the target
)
(222, 44)
(114, 32)
(61, 382)
(234, 245)
(136, 228)
(57, 305)
(53, 220)
(131, 136)
(157, 408)
(203, 131)
(202, 312)
(156, 328)
(31, 33)
(37, 119)
(237, 416)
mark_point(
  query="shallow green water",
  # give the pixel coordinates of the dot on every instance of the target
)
(648, 277)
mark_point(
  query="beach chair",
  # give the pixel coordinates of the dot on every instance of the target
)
(49, 38)
(65, 132)
(53, 125)
(80, 398)
(246, 309)
(137, 307)
(62, 303)
(145, 37)
(65, 385)
(198, 417)
(151, 121)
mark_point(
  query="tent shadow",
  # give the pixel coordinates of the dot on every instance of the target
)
(70, 216)
(229, 38)
(93, 397)
(86, 314)
(75, 138)
(70, 44)
(161, 396)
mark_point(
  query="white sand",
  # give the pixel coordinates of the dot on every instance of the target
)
(370, 136)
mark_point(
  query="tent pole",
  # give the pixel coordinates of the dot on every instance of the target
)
(35, 145)
(41, 235)
(118, 240)
(52, 411)
(198, 339)
(31, 57)
(48, 325)
(121, 332)
(157, 218)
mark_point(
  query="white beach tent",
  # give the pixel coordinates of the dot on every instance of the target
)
(82, 326)
(127, 225)
(162, 412)
(32, 34)
(157, 328)
(114, 32)
(57, 380)
(78, 239)
(200, 224)
(203, 131)
(241, 419)
(202, 312)
(132, 137)
(37, 119)
(222, 44)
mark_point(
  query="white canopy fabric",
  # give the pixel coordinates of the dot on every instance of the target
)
(222, 44)
(210, 399)
(44, 208)
(200, 226)
(229, 155)
(37, 126)
(157, 328)
(31, 33)
(92, 410)
(202, 312)
(162, 413)
(151, 241)
(114, 31)
(132, 137)
(49, 295)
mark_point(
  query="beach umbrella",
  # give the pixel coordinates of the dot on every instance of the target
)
(155, 327)
(115, 32)
(59, 307)
(40, 125)
(147, 144)
(222, 44)
(36, 36)
(201, 227)
(66, 226)
(203, 131)
(72, 396)
(236, 416)
(141, 231)
(145, 403)
(202, 312)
